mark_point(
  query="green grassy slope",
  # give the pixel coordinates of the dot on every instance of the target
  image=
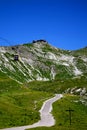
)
(78, 116)
(58, 86)
(80, 52)
(7, 84)
(18, 104)
(18, 109)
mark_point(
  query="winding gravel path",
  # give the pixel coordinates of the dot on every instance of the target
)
(46, 117)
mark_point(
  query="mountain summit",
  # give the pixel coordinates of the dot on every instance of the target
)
(41, 61)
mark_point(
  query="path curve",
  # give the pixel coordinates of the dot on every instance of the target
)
(46, 117)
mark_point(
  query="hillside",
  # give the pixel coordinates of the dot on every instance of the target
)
(33, 72)
(41, 61)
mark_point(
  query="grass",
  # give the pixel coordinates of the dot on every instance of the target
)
(79, 116)
(63, 72)
(81, 66)
(18, 104)
(82, 51)
(28, 44)
(18, 109)
(7, 84)
(58, 86)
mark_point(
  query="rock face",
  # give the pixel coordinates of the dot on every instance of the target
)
(41, 61)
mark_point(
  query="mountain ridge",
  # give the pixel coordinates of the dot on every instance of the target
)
(39, 60)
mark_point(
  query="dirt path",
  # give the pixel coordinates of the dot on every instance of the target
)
(46, 117)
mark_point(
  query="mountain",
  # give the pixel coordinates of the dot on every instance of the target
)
(63, 71)
(41, 61)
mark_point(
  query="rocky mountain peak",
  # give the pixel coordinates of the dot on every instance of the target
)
(41, 61)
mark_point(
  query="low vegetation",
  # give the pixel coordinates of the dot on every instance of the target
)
(22, 108)
(58, 86)
(18, 104)
(82, 51)
(21, 100)
(78, 116)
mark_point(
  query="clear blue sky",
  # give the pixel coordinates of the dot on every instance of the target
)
(63, 23)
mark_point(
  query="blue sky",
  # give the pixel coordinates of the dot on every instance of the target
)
(63, 23)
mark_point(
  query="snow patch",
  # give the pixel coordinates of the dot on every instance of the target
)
(84, 59)
(41, 79)
(76, 71)
(66, 58)
(66, 64)
(51, 56)
(78, 90)
(52, 73)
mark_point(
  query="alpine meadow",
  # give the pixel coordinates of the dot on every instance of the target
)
(32, 73)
